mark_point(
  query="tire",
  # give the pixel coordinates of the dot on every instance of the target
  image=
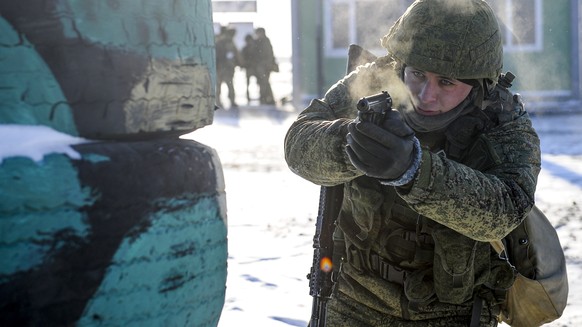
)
(131, 234)
(125, 69)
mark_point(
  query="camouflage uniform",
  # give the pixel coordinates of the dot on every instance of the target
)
(418, 254)
(227, 58)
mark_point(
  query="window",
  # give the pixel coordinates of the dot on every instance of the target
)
(521, 24)
(362, 22)
(234, 6)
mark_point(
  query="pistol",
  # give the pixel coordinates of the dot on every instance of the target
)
(374, 108)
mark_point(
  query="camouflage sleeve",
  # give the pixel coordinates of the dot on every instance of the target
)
(315, 142)
(485, 203)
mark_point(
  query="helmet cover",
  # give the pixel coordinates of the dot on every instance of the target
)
(458, 39)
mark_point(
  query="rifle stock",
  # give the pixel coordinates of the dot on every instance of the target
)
(358, 56)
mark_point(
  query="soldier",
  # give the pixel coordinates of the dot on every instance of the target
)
(249, 57)
(265, 64)
(227, 58)
(424, 192)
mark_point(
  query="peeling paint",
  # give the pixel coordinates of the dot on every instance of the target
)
(169, 97)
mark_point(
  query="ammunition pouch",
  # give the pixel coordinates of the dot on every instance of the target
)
(455, 266)
(361, 216)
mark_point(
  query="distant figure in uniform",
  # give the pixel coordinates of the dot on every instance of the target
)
(266, 64)
(227, 58)
(249, 61)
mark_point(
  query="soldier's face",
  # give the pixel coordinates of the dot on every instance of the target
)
(434, 94)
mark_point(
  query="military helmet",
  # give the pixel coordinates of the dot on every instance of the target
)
(459, 39)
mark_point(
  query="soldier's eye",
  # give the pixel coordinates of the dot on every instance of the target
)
(418, 74)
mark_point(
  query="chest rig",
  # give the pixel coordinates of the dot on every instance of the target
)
(398, 241)
(395, 243)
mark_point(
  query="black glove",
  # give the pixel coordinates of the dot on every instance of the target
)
(385, 152)
(461, 133)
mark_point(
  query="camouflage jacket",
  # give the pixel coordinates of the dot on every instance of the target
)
(480, 196)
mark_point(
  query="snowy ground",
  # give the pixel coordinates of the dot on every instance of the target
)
(271, 213)
(271, 216)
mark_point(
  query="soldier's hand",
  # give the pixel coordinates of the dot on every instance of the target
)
(385, 152)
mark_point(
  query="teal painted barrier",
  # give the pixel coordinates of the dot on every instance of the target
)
(171, 275)
(124, 68)
(127, 233)
(30, 94)
(107, 217)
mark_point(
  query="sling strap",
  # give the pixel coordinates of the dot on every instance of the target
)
(476, 311)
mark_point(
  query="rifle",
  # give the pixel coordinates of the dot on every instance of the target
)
(321, 277)
(325, 264)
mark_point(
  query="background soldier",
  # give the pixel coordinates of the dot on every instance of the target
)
(249, 58)
(227, 58)
(266, 63)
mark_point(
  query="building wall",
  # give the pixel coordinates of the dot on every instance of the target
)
(307, 50)
(552, 85)
(547, 73)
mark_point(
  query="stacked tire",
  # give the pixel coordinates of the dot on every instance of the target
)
(128, 226)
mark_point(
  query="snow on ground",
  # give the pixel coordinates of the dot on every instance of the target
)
(271, 219)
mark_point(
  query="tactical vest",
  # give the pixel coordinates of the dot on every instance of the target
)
(384, 237)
